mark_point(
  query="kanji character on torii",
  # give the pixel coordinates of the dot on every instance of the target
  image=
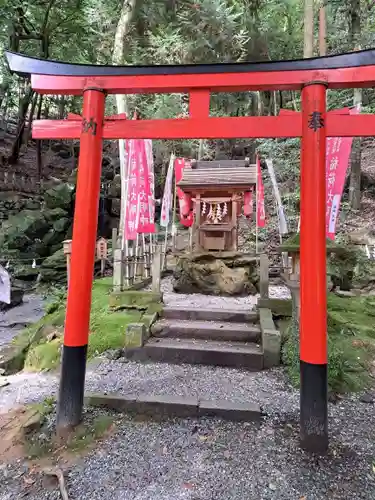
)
(313, 125)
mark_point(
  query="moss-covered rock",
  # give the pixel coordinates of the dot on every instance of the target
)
(228, 274)
(134, 299)
(20, 230)
(53, 269)
(55, 214)
(60, 196)
(44, 356)
(341, 260)
(292, 244)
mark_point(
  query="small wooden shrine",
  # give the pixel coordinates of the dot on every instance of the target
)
(217, 190)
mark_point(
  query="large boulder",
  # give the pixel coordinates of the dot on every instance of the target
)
(54, 214)
(58, 233)
(20, 230)
(60, 196)
(231, 274)
(115, 187)
(53, 269)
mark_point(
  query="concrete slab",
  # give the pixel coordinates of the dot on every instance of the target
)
(206, 352)
(206, 330)
(230, 410)
(162, 406)
(209, 314)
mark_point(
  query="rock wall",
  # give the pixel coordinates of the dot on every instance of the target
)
(37, 231)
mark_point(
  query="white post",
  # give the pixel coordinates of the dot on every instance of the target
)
(136, 257)
(164, 260)
(156, 270)
(117, 270)
(146, 256)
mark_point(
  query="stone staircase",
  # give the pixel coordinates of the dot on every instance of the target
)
(217, 337)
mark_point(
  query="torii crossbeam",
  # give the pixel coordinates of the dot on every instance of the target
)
(313, 125)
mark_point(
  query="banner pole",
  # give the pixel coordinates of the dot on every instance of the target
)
(166, 204)
(174, 228)
(124, 241)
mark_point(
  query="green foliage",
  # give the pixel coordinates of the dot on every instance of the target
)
(351, 344)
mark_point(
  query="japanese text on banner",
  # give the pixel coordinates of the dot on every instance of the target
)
(337, 159)
(145, 221)
(261, 212)
(132, 191)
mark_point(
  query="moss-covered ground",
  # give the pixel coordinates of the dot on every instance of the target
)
(351, 344)
(107, 329)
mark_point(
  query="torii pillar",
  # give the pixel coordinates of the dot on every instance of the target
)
(73, 369)
(313, 320)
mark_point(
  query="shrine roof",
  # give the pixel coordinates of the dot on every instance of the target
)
(212, 178)
(25, 65)
(202, 164)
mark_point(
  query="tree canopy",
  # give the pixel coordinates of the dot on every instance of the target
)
(180, 31)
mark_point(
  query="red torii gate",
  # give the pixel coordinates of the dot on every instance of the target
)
(313, 125)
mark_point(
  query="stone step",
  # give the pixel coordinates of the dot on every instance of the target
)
(185, 313)
(205, 352)
(206, 330)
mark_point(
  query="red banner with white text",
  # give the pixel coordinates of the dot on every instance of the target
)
(261, 211)
(139, 216)
(184, 199)
(131, 210)
(145, 222)
(337, 160)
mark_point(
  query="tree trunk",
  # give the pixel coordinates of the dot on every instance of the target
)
(122, 29)
(46, 108)
(308, 50)
(200, 149)
(4, 88)
(355, 194)
(62, 102)
(24, 106)
(31, 116)
(322, 31)
(39, 162)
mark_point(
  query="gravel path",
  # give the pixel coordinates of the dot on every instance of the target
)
(268, 388)
(211, 460)
(216, 460)
(206, 459)
(172, 298)
(203, 459)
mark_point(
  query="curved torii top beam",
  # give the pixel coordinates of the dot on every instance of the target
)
(25, 65)
(356, 69)
(353, 70)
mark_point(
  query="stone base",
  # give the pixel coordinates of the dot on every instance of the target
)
(271, 339)
(135, 335)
